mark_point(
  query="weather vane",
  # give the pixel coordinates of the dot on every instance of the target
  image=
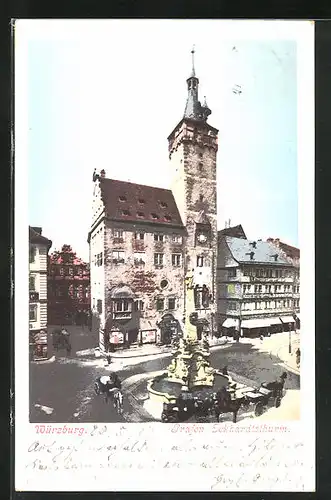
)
(193, 52)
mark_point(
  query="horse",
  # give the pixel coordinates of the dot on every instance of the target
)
(227, 406)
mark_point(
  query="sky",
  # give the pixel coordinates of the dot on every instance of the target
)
(108, 94)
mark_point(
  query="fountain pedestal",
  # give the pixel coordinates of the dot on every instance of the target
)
(190, 368)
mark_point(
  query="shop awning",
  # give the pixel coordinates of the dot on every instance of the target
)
(230, 322)
(287, 319)
(274, 321)
(255, 323)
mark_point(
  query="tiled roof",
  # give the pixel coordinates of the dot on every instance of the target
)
(235, 231)
(126, 201)
(292, 252)
(263, 253)
(36, 237)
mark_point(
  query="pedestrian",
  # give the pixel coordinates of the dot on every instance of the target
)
(225, 370)
(261, 338)
(298, 356)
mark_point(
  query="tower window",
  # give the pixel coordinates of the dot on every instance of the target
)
(201, 197)
(163, 204)
(122, 198)
(200, 166)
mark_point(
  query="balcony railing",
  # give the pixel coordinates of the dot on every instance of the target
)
(118, 261)
(116, 241)
(122, 315)
(263, 295)
(139, 262)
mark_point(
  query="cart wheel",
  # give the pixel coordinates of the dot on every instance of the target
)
(97, 388)
(277, 401)
(258, 409)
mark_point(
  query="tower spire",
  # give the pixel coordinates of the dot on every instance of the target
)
(193, 108)
(193, 68)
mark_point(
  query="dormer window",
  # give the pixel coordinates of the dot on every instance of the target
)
(154, 216)
(122, 198)
(163, 204)
(140, 214)
(126, 212)
(141, 201)
(167, 218)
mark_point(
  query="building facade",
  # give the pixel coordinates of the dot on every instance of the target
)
(255, 286)
(68, 288)
(38, 255)
(143, 240)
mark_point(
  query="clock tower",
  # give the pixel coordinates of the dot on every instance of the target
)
(192, 153)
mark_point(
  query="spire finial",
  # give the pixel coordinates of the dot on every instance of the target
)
(193, 52)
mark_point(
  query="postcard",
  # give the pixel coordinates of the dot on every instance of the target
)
(164, 322)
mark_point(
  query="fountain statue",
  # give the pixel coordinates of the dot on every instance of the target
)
(190, 368)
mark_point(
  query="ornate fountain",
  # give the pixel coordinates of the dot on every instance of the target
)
(190, 368)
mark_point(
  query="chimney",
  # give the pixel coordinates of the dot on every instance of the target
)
(251, 255)
(270, 240)
(102, 173)
(37, 230)
(253, 243)
(275, 257)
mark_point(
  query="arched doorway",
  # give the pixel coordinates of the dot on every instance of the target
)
(169, 328)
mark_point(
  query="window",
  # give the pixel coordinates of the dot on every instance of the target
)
(164, 284)
(32, 283)
(159, 304)
(200, 155)
(167, 218)
(138, 305)
(176, 238)
(176, 259)
(118, 233)
(122, 198)
(200, 166)
(140, 214)
(163, 204)
(98, 259)
(139, 236)
(158, 259)
(141, 201)
(118, 256)
(201, 297)
(247, 288)
(232, 273)
(269, 273)
(268, 288)
(158, 237)
(122, 305)
(139, 258)
(86, 292)
(154, 216)
(32, 254)
(257, 288)
(201, 197)
(99, 306)
(126, 212)
(232, 306)
(171, 304)
(200, 261)
(33, 313)
(248, 271)
(71, 271)
(61, 271)
(76, 292)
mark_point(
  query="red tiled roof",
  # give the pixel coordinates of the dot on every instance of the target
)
(126, 201)
(290, 251)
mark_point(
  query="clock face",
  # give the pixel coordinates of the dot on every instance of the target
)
(202, 238)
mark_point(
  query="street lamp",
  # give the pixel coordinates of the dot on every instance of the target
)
(289, 339)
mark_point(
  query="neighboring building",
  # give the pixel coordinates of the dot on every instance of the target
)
(38, 251)
(144, 239)
(68, 288)
(292, 255)
(255, 287)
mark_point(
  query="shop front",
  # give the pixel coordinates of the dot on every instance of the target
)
(169, 328)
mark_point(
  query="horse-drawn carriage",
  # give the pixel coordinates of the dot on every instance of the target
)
(205, 404)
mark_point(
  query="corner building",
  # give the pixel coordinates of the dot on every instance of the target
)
(144, 239)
